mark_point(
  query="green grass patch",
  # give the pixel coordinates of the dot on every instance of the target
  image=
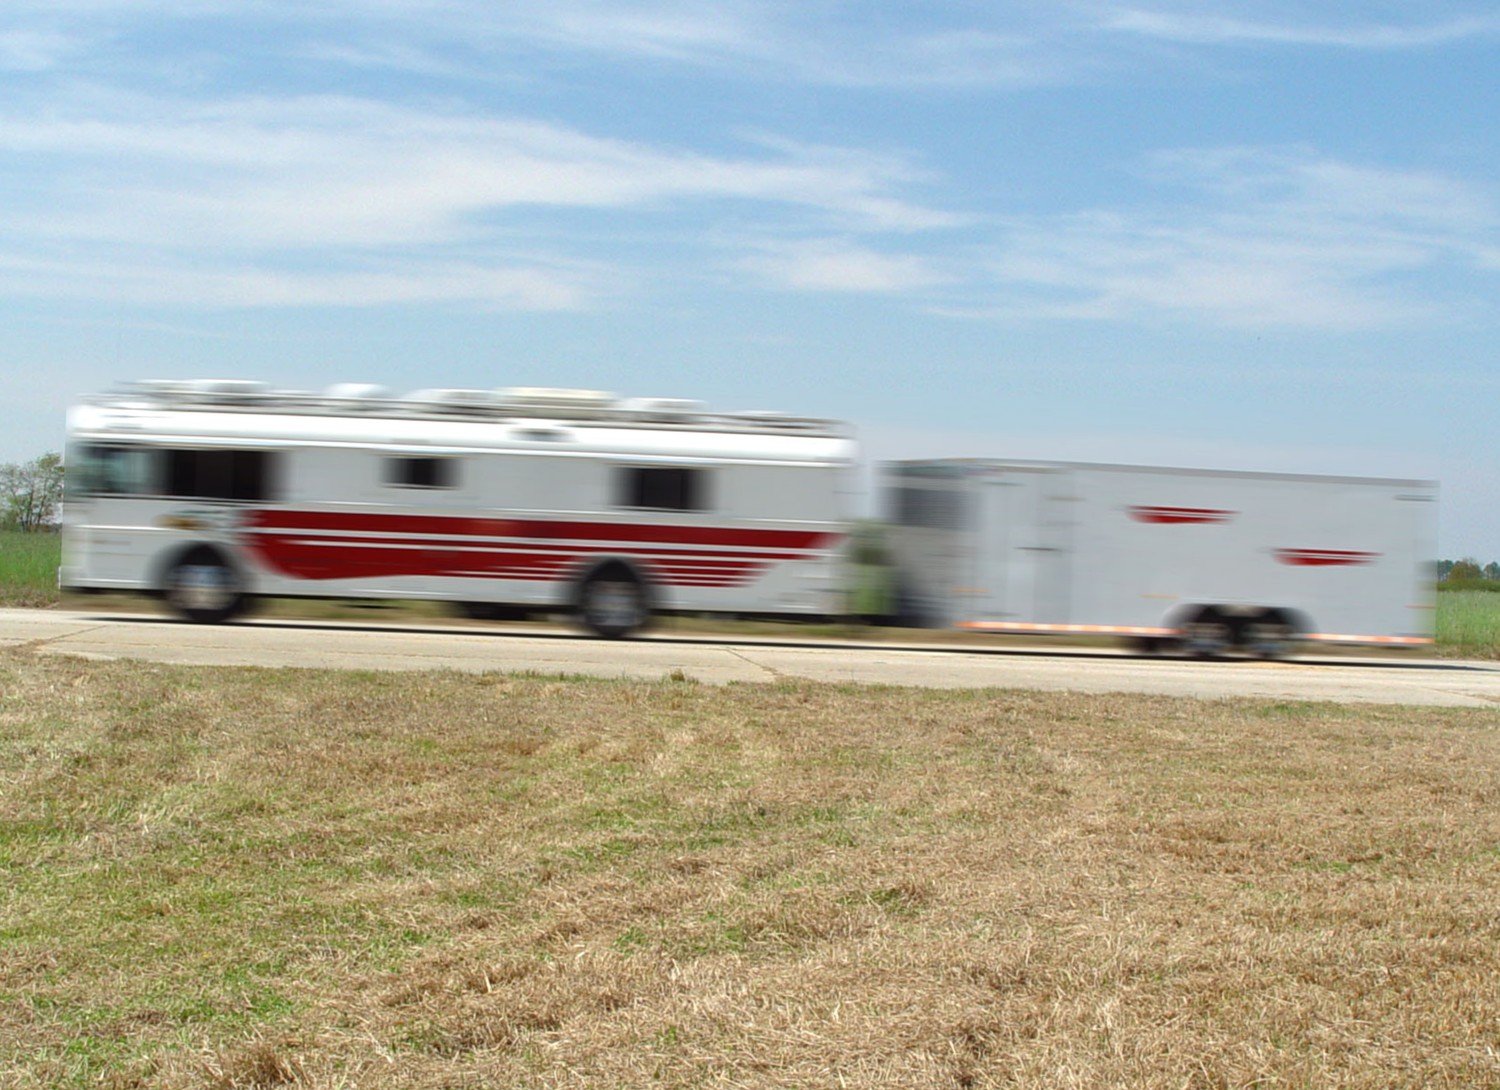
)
(1468, 622)
(28, 568)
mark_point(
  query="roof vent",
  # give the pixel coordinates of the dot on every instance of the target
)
(779, 421)
(201, 391)
(357, 395)
(662, 409)
(454, 401)
(356, 391)
(546, 401)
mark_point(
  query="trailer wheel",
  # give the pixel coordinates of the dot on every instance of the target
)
(612, 602)
(204, 587)
(1270, 636)
(1210, 634)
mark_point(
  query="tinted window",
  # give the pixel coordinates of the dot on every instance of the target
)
(219, 474)
(663, 488)
(420, 472)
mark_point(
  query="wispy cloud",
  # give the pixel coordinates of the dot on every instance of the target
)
(265, 182)
(841, 265)
(32, 50)
(442, 191)
(1257, 237)
(1305, 29)
(949, 44)
(173, 280)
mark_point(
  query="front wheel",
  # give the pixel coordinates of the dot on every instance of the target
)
(613, 604)
(204, 588)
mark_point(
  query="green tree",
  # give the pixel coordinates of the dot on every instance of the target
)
(1466, 570)
(32, 492)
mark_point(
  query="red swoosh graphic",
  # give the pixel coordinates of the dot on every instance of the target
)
(1324, 558)
(1180, 516)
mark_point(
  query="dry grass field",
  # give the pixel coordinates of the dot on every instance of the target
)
(261, 879)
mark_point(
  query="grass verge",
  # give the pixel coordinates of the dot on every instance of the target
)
(28, 568)
(263, 878)
(1468, 623)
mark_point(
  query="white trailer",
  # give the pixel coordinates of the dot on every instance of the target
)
(211, 492)
(1203, 560)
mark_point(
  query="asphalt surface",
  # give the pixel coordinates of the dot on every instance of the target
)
(719, 660)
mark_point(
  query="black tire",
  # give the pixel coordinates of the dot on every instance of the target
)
(204, 587)
(613, 604)
(1270, 637)
(1211, 634)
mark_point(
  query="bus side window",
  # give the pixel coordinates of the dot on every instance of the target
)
(219, 474)
(114, 471)
(420, 472)
(662, 488)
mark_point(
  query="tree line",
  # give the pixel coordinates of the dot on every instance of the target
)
(1467, 570)
(31, 493)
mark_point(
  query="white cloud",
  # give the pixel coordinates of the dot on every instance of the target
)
(257, 181)
(174, 280)
(838, 265)
(1264, 238)
(1218, 29)
(32, 50)
(941, 44)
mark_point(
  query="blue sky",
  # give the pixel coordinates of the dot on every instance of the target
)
(1248, 235)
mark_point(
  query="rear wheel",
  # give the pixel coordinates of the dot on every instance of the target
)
(612, 603)
(1210, 634)
(1270, 637)
(204, 588)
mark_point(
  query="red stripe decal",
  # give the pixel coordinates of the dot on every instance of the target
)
(537, 529)
(1180, 516)
(1324, 558)
(359, 546)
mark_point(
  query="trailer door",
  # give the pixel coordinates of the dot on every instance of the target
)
(1020, 546)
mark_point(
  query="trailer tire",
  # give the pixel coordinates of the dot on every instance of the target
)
(1210, 634)
(612, 602)
(204, 587)
(1270, 636)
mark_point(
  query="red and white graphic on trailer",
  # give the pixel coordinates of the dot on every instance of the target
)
(1324, 558)
(1180, 516)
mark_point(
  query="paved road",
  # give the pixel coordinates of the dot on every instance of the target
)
(408, 646)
